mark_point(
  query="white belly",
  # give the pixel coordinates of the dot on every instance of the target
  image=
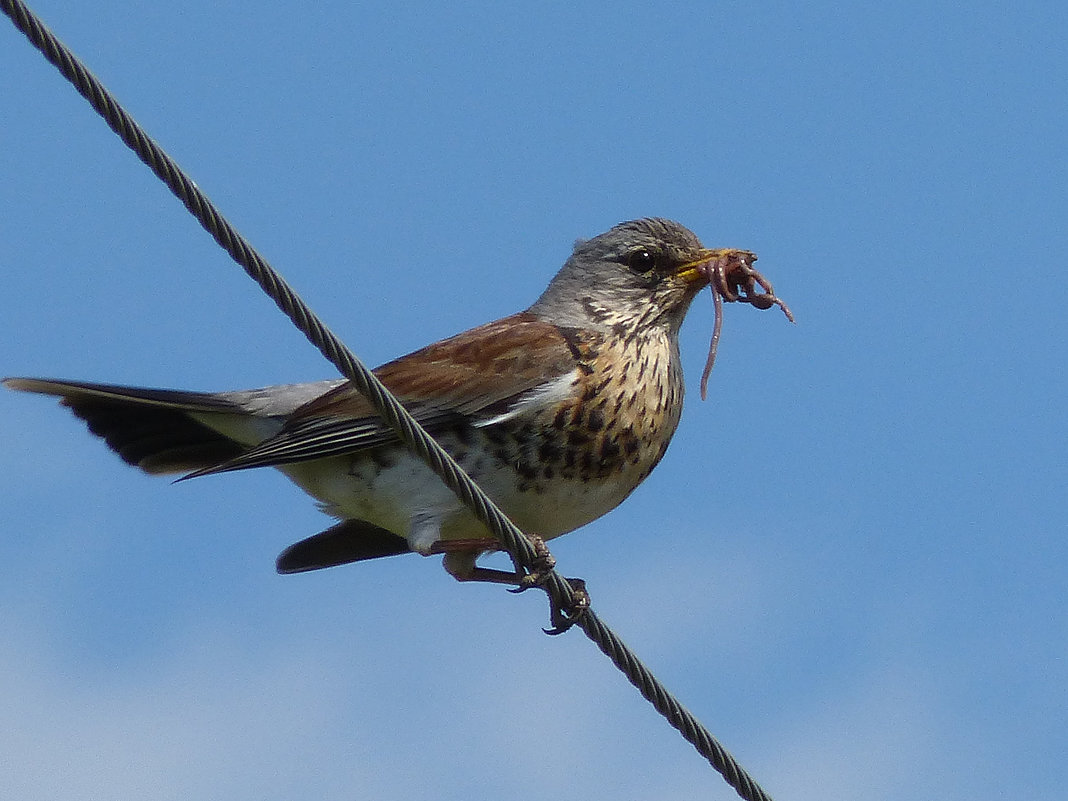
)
(404, 496)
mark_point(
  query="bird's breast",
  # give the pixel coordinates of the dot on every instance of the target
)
(587, 452)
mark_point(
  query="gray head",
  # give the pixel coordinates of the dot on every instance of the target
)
(639, 274)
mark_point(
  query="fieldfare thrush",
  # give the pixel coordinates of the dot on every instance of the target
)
(558, 412)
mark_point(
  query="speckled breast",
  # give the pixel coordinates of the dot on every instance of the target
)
(574, 461)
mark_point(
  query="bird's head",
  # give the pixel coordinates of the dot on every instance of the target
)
(640, 274)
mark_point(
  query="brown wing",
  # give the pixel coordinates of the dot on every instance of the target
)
(478, 374)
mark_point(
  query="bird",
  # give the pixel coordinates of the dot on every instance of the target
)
(559, 412)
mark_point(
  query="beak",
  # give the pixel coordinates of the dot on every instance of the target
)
(696, 271)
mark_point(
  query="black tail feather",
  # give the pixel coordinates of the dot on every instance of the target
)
(348, 541)
(149, 428)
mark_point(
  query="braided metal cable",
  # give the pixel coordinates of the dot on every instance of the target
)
(395, 415)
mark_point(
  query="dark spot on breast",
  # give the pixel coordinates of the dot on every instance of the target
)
(577, 438)
(575, 340)
(609, 449)
(550, 450)
(595, 421)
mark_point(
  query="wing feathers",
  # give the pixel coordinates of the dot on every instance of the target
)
(483, 371)
(481, 376)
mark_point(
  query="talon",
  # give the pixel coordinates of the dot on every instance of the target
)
(540, 567)
(543, 560)
(564, 619)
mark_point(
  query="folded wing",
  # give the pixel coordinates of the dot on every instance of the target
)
(475, 376)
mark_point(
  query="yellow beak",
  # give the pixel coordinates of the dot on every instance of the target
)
(692, 271)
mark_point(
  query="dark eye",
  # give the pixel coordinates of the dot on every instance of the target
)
(641, 260)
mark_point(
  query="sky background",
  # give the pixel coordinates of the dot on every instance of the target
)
(851, 565)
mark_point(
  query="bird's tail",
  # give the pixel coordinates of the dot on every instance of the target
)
(157, 430)
(348, 541)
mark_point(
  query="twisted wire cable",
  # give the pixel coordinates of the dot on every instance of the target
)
(395, 415)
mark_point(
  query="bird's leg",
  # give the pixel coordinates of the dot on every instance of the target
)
(460, 556)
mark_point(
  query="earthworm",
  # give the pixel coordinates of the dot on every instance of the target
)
(731, 278)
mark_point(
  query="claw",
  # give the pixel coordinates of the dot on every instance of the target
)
(540, 568)
(563, 619)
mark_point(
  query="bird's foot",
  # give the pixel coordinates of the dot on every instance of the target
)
(562, 618)
(460, 562)
(540, 567)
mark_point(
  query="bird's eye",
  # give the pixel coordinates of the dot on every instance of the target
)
(641, 260)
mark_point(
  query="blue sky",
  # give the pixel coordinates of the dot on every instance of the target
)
(851, 565)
